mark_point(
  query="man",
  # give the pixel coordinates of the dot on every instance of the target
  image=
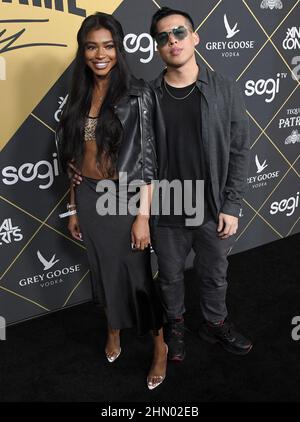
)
(207, 133)
(208, 138)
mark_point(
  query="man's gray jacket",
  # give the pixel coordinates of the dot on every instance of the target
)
(225, 136)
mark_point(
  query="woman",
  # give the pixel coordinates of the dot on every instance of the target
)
(107, 129)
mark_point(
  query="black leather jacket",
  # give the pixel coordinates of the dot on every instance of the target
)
(142, 151)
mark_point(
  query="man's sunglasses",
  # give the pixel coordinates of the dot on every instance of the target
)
(179, 32)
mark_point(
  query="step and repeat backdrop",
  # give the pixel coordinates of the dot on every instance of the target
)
(257, 42)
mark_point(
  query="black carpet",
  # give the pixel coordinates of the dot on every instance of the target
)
(59, 357)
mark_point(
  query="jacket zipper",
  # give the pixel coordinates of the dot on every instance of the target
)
(141, 130)
(153, 150)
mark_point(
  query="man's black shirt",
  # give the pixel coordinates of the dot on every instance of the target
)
(184, 141)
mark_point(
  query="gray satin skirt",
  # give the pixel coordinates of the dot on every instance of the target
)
(121, 278)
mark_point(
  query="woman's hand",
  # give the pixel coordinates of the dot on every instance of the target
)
(74, 228)
(140, 233)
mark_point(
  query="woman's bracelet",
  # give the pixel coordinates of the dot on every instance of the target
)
(67, 214)
(71, 211)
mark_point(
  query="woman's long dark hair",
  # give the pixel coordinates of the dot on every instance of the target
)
(109, 130)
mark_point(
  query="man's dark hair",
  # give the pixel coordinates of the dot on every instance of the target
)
(163, 13)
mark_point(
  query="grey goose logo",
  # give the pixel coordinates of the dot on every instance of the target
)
(260, 167)
(261, 178)
(47, 264)
(231, 32)
(230, 47)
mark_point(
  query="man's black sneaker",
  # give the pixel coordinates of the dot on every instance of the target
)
(174, 337)
(225, 334)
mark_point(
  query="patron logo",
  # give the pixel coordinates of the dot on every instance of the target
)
(9, 233)
(265, 86)
(290, 121)
(27, 172)
(2, 328)
(230, 48)
(284, 205)
(61, 101)
(49, 278)
(293, 138)
(271, 4)
(292, 39)
(143, 43)
(261, 179)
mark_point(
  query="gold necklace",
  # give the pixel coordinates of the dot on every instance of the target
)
(178, 98)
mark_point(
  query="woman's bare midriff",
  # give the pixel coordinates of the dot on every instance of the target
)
(89, 166)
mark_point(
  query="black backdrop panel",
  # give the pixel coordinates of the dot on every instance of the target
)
(255, 42)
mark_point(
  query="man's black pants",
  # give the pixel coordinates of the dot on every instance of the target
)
(172, 245)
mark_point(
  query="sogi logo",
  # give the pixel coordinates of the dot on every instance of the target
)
(27, 172)
(265, 86)
(143, 42)
(288, 205)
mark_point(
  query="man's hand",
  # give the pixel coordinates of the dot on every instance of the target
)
(74, 174)
(140, 233)
(228, 225)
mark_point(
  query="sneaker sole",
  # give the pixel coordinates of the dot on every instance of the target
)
(227, 348)
(176, 358)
